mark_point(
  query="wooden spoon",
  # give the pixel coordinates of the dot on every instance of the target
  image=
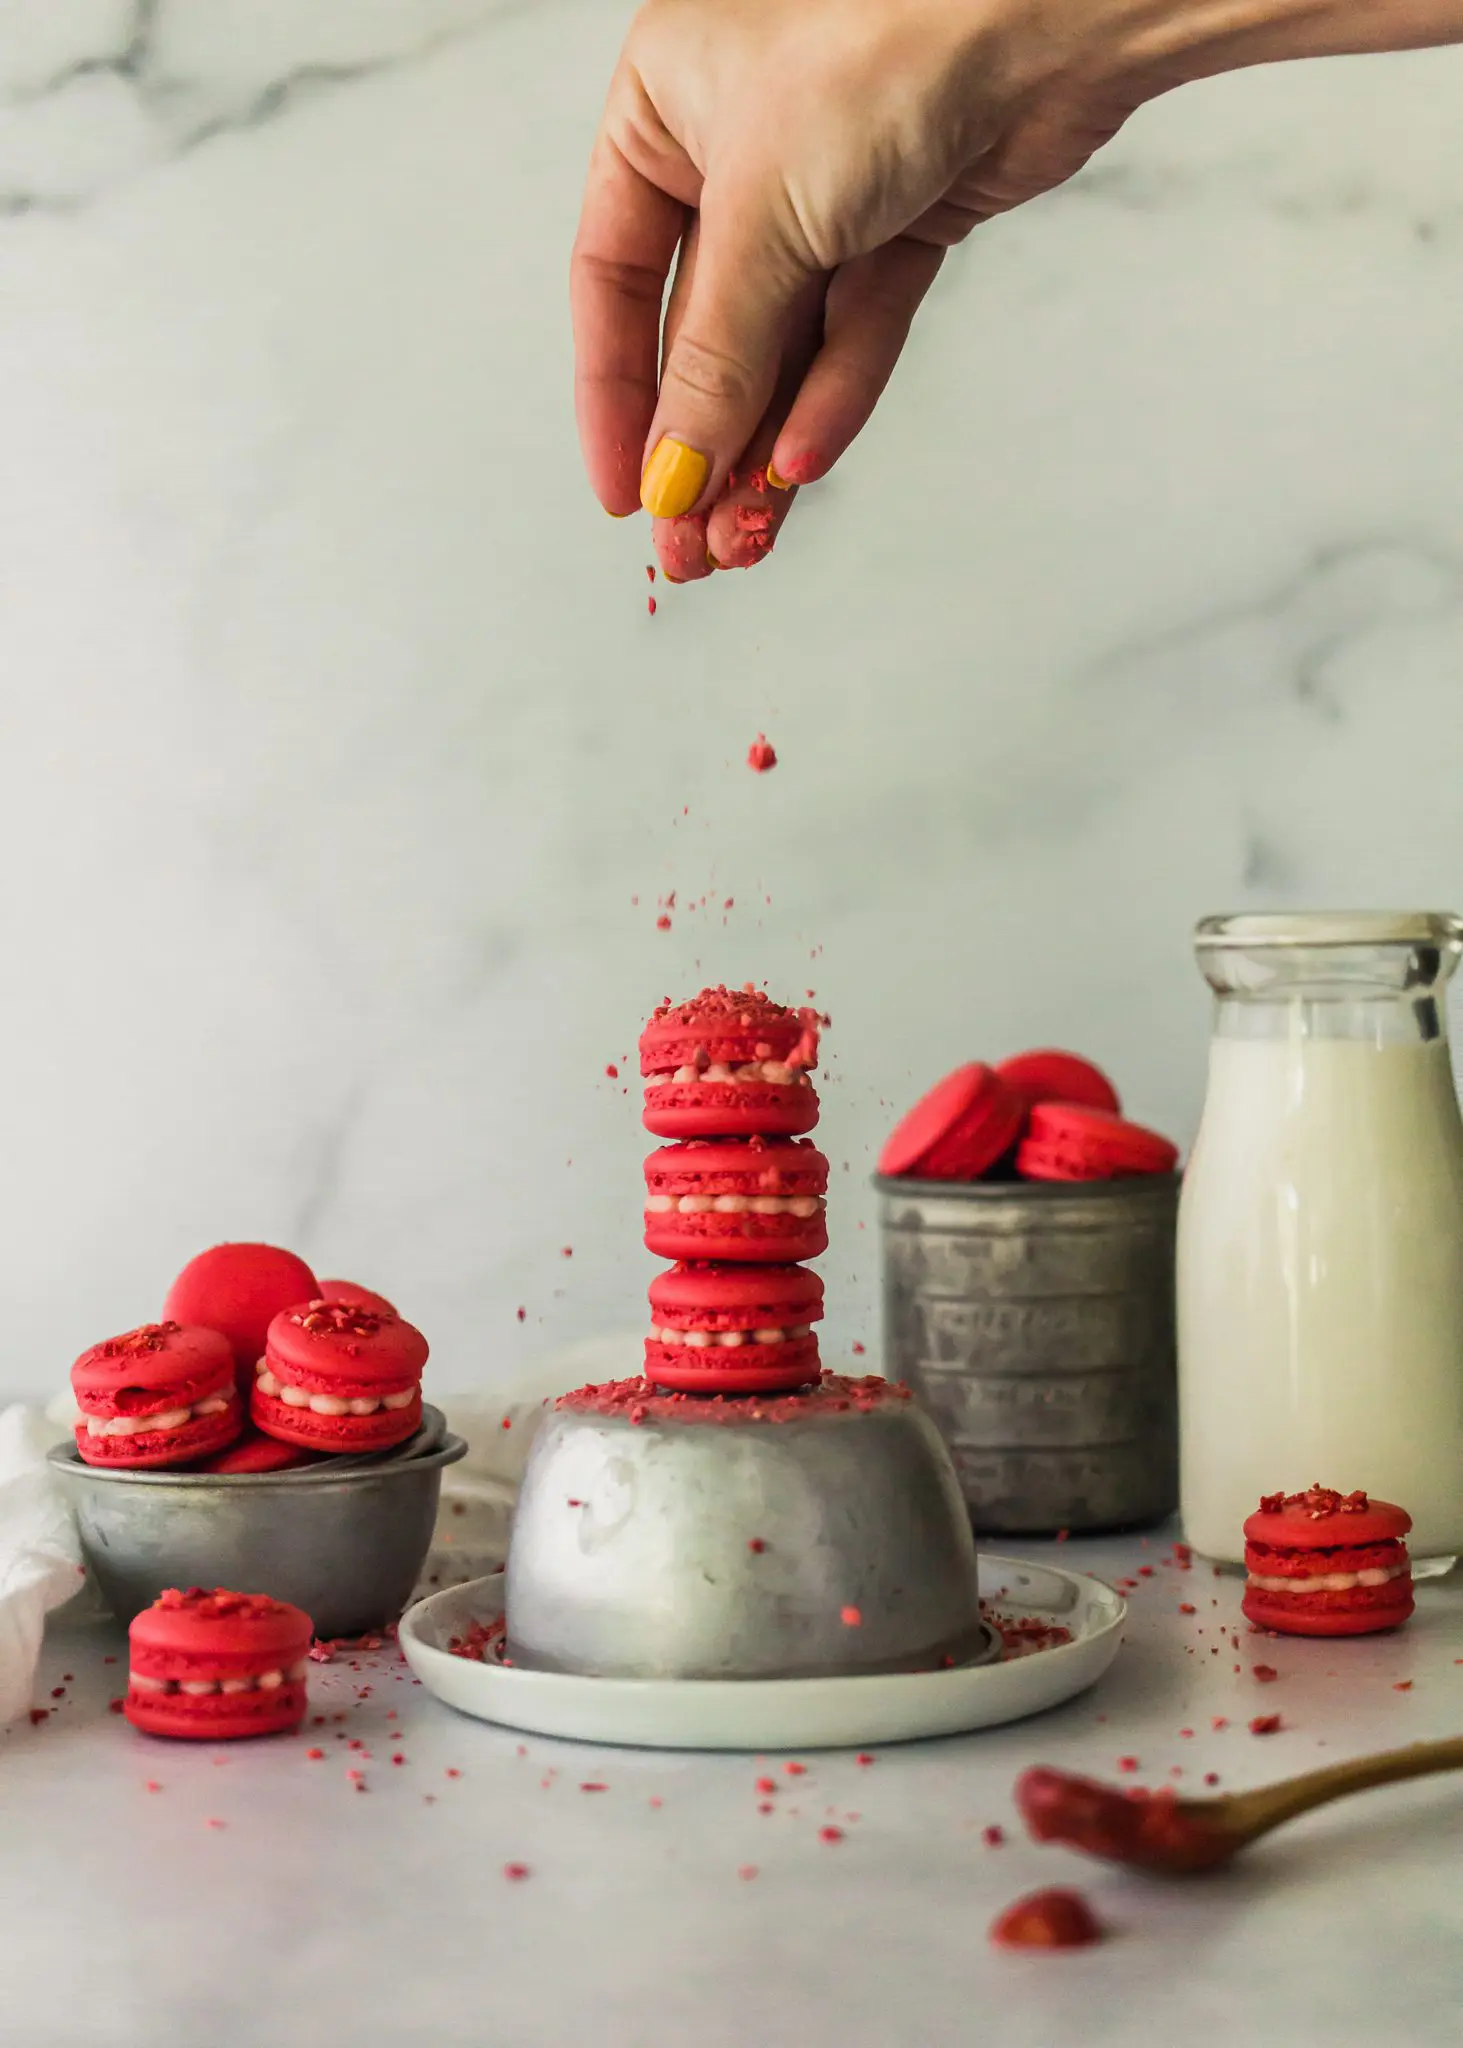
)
(1162, 1832)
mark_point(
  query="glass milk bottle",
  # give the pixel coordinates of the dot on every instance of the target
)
(1320, 1246)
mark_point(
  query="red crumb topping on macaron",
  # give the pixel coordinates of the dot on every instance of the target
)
(335, 1378)
(639, 1400)
(729, 1063)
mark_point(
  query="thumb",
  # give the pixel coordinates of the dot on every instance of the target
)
(723, 348)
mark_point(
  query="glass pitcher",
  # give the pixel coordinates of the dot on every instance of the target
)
(1320, 1245)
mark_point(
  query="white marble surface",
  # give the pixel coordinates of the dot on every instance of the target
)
(318, 1912)
(341, 767)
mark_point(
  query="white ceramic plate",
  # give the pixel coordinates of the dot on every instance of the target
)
(787, 1713)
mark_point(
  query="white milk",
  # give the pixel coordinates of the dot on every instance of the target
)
(1320, 1288)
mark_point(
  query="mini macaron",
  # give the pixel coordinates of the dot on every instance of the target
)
(1051, 1076)
(1323, 1563)
(1064, 1141)
(354, 1296)
(733, 1329)
(214, 1666)
(958, 1130)
(762, 1199)
(337, 1378)
(238, 1289)
(160, 1395)
(729, 1063)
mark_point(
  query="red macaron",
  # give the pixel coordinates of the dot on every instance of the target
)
(238, 1289)
(733, 1329)
(761, 1200)
(729, 1063)
(1067, 1142)
(1323, 1563)
(353, 1296)
(255, 1452)
(1051, 1076)
(215, 1666)
(161, 1395)
(958, 1130)
(336, 1378)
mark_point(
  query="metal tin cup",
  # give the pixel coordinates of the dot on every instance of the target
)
(1036, 1322)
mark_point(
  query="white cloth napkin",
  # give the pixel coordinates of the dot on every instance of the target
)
(40, 1563)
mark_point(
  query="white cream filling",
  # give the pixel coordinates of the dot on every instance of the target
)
(1330, 1582)
(169, 1419)
(269, 1382)
(734, 1205)
(729, 1340)
(266, 1681)
(778, 1072)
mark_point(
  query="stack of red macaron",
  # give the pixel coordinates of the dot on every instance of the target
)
(737, 1199)
(256, 1366)
(1047, 1116)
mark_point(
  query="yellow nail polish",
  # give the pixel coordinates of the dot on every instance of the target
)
(778, 483)
(711, 561)
(672, 579)
(673, 479)
(617, 515)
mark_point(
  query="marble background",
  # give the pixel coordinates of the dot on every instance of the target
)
(342, 769)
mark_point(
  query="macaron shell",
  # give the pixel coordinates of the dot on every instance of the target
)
(334, 1433)
(1363, 1611)
(216, 1717)
(338, 1345)
(149, 1450)
(749, 1369)
(1067, 1142)
(160, 1366)
(779, 1240)
(957, 1130)
(214, 1632)
(255, 1452)
(352, 1296)
(736, 1298)
(1297, 1527)
(1048, 1075)
(711, 1109)
(238, 1289)
(775, 1168)
(731, 1025)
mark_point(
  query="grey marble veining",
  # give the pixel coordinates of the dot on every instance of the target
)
(343, 773)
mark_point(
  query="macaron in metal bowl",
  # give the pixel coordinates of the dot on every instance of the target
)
(344, 1539)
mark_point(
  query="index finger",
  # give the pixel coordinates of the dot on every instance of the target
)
(629, 230)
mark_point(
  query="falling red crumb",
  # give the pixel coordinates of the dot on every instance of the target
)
(593, 1785)
(1219, 1722)
(612, 1071)
(314, 1755)
(1145, 1571)
(1186, 1607)
(863, 1757)
(649, 573)
(451, 1773)
(746, 1872)
(522, 1315)
(851, 1617)
(1211, 1777)
(657, 1802)
(993, 1836)
(650, 606)
(767, 1785)
(566, 1251)
(662, 923)
(1266, 1673)
(760, 755)
(1265, 1724)
(830, 1834)
(1127, 1763)
(858, 1350)
(756, 1545)
(1402, 1684)
(515, 1872)
(152, 1785)
(796, 1770)
(1186, 1731)
(215, 1823)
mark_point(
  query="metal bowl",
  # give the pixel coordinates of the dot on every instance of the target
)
(343, 1540)
(809, 1536)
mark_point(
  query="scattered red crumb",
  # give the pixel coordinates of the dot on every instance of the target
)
(649, 573)
(657, 1802)
(1062, 1535)
(1186, 1607)
(1211, 1777)
(398, 1759)
(109, 1660)
(830, 1833)
(522, 1314)
(1023, 1635)
(215, 1823)
(662, 923)
(314, 1755)
(767, 1785)
(863, 1757)
(1265, 1724)
(1145, 1571)
(39, 1714)
(1127, 1763)
(483, 1638)
(58, 1692)
(851, 1617)
(1186, 1731)
(650, 606)
(746, 1872)
(1266, 1673)
(593, 1785)
(1219, 1722)
(756, 1545)
(765, 1806)
(796, 1770)
(760, 755)
(515, 1872)
(1183, 1556)
(1049, 1919)
(993, 1836)
(612, 1071)
(152, 1785)
(452, 1773)
(1403, 1685)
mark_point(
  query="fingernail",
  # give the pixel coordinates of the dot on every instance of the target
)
(672, 579)
(778, 483)
(617, 515)
(711, 561)
(673, 479)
